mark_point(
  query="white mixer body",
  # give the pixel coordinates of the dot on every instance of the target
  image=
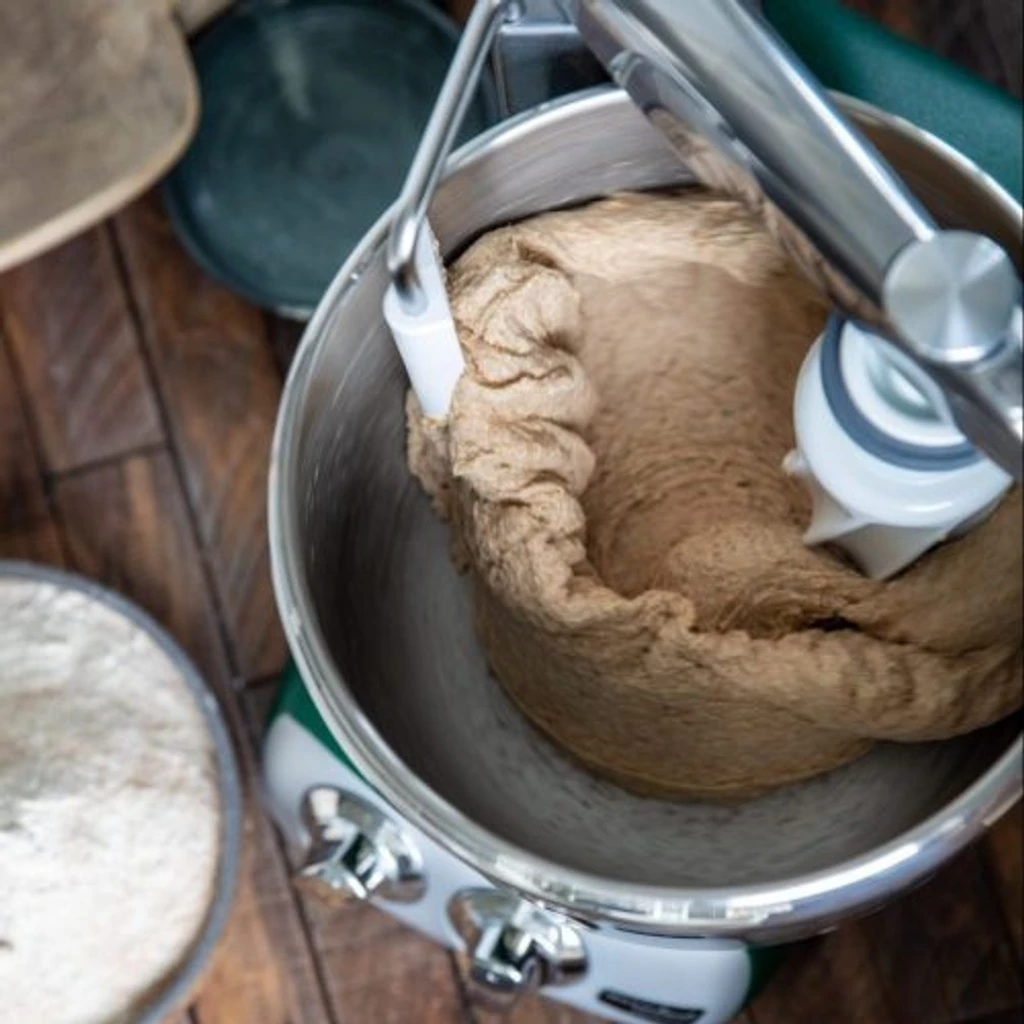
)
(629, 978)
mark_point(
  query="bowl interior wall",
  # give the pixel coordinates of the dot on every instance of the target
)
(398, 618)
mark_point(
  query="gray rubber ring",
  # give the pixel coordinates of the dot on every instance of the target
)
(871, 438)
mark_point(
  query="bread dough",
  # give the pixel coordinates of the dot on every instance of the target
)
(611, 470)
(109, 810)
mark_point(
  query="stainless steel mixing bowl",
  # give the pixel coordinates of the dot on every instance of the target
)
(382, 628)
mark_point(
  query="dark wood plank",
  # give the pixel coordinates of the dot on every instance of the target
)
(219, 386)
(26, 526)
(263, 971)
(536, 1010)
(897, 15)
(378, 970)
(459, 9)
(284, 336)
(942, 951)
(832, 979)
(1005, 1017)
(1003, 850)
(127, 525)
(375, 968)
(66, 319)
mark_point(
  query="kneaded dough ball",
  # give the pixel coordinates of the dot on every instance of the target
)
(611, 468)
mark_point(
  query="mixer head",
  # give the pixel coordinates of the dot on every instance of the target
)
(888, 410)
(750, 120)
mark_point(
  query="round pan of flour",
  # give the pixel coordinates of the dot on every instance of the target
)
(120, 808)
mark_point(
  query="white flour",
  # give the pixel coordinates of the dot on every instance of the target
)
(109, 811)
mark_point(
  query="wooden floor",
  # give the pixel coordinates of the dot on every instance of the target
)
(137, 401)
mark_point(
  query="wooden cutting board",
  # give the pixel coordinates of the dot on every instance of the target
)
(97, 100)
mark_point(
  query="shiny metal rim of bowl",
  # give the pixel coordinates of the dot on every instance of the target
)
(174, 994)
(798, 905)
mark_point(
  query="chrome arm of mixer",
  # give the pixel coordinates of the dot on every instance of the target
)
(448, 114)
(749, 119)
(954, 301)
(744, 112)
(985, 398)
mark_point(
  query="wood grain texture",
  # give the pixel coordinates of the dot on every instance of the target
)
(983, 35)
(1006, 1017)
(970, 970)
(831, 979)
(220, 388)
(127, 525)
(26, 527)
(536, 1010)
(263, 971)
(66, 319)
(459, 9)
(97, 98)
(284, 336)
(937, 954)
(379, 971)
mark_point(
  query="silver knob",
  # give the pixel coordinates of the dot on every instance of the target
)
(514, 947)
(954, 300)
(952, 297)
(355, 852)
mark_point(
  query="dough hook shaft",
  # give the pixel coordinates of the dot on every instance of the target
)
(438, 138)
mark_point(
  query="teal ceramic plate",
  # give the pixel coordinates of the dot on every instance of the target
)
(311, 114)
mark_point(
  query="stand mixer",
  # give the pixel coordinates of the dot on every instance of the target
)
(403, 773)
